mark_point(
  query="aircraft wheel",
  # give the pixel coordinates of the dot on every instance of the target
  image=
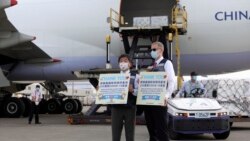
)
(80, 106)
(70, 106)
(54, 106)
(14, 107)
(27, 105)
(60, 110)
(1, 108)
(4, 96)
(222, 136)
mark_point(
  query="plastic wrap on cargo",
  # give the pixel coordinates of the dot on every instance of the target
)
(159, 21)
(141, 21)
(233, 95)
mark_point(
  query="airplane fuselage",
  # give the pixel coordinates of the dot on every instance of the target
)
(74, 32)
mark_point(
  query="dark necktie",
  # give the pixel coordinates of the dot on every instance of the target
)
(154, 65)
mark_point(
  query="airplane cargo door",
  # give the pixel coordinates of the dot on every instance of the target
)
(131, 9)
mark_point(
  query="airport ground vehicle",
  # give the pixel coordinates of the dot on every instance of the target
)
(197, 115)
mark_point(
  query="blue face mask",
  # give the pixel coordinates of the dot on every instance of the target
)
(154, 54)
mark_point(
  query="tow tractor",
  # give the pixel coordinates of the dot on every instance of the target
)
(197, 115)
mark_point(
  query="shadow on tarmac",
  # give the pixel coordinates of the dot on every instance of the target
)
(240, 128)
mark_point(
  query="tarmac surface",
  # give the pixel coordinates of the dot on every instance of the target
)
(56, 128)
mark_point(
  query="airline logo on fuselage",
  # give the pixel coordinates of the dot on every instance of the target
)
(232, 15)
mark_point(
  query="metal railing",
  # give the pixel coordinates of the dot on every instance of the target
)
(116, 20)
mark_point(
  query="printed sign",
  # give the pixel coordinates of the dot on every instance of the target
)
(152, 88)
(113, 89)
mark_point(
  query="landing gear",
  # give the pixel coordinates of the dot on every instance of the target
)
(57, 104)
(14, 107)
(80, 106)
(70, 106)
(54, 106)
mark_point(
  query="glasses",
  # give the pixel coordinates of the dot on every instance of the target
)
(154, 49)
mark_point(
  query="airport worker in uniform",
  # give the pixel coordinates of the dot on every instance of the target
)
(156, 116)
(191, 87)
(36, 97)
(125, 114)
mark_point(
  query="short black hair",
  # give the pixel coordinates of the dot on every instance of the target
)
(37, 86)
(125, 56)
(193, 73)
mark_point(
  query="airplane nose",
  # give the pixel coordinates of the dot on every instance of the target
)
(13, 2)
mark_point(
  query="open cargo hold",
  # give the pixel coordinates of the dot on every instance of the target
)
(146, 13)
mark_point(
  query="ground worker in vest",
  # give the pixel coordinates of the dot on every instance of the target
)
(156, 116)
(125, 113)
(192, 88)
(36, 97)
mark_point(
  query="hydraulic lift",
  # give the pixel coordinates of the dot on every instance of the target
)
(137, 39)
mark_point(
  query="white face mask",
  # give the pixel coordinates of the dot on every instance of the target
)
(154, 54)
(124, 66)
(194, 78)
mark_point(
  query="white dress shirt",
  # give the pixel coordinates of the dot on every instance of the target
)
(170, 76)
(38, 96)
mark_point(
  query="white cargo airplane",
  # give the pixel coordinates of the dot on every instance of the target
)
(70, 35)
(74, 33)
